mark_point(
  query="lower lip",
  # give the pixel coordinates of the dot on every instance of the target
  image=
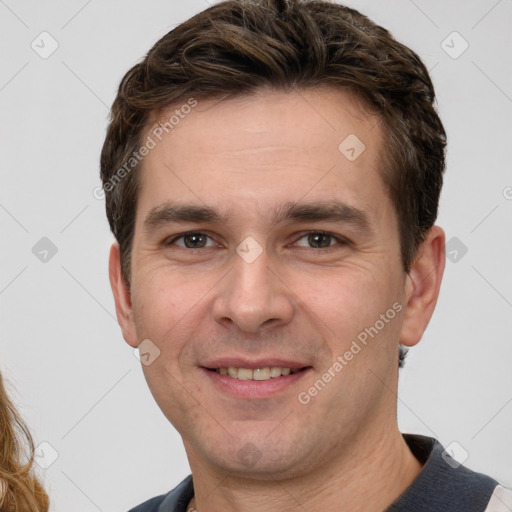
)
(254, 388)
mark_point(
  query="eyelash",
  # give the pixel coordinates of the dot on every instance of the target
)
(342, 241)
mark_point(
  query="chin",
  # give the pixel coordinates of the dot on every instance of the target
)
(263, 460)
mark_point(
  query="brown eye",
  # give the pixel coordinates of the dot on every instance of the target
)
(190, 240)
(194, 241)
(320, 240)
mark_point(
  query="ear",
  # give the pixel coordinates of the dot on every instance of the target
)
(122, 296)
(423, 282)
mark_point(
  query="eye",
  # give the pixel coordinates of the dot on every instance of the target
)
(321, 240)
(191, 240)
(313, 240)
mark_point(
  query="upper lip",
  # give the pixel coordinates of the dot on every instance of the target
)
(239, 362)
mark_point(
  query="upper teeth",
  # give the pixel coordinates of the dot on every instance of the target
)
(256, 374)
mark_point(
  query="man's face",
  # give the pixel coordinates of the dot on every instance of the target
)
(257, 288)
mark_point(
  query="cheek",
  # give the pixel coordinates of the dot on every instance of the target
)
(169, 307)
(164, 314)
(347, 303)
(343, 298)
(158, 306)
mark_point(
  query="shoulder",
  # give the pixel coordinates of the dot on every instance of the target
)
(149, 505)
(444, 483)
(501, 500)
(174, 501)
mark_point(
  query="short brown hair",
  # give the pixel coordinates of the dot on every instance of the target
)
(236, 47)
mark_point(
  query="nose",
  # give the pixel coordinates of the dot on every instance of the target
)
(253, 296)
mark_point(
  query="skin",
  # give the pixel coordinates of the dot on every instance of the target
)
(248, 155)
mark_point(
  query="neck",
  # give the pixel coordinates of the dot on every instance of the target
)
(369, 478)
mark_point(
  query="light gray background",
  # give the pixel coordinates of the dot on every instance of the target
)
(77, 383)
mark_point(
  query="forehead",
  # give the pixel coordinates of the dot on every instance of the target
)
(268, 147)
(311, 117)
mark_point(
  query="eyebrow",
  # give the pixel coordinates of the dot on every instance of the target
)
(331, 211)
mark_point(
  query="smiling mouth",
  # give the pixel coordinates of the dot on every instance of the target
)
(257, 374)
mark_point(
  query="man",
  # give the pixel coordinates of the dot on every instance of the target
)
(272, 173)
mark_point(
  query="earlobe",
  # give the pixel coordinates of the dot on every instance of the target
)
(423, 283)
(122, 298)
